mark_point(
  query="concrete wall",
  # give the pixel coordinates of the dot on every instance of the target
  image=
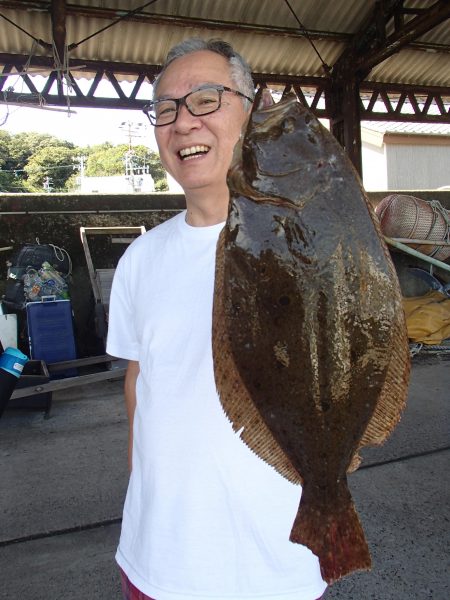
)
(57, 219)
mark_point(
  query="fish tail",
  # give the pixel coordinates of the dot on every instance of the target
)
(330, 527)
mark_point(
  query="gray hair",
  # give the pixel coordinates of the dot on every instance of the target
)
(240, 71)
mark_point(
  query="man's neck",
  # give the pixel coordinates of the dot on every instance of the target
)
(207, 209)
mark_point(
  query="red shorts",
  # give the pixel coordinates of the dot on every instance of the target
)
(130, 591)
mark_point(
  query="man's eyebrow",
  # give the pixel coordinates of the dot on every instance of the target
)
(201, 86)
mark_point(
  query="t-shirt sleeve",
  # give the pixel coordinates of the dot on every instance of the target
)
(121, 340)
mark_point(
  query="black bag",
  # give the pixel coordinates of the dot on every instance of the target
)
(33, 255)
(14, 298)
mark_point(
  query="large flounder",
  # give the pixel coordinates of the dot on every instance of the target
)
(310, 347)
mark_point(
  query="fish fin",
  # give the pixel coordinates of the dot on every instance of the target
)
(389, 407)
(393, 395)
(354, 464)
(233, 394)
(392, 399)
(331, 529)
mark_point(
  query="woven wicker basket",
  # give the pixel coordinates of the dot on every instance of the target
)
(403, 216)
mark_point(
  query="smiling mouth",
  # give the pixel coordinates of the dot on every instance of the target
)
(193, 152)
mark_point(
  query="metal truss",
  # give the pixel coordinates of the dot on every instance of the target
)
(378, 101)
(390, 102)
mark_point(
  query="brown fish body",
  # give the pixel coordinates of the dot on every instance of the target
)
(310, 348)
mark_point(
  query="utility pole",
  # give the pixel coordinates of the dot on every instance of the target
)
(132, 130)
(81, 167)
(48, 184)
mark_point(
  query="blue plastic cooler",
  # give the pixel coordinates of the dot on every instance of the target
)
(50, 332)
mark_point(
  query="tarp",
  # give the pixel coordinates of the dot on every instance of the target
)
(428, 318)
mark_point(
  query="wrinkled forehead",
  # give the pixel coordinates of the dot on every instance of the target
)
(188, 72)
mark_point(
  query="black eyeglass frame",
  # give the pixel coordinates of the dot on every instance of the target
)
(182, 102)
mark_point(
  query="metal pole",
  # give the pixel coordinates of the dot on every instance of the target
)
(425, 257)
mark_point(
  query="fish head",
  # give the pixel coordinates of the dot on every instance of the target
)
(281, 146)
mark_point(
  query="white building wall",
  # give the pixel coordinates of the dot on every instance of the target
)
(117, 184)
(414, 167)
(375, 174)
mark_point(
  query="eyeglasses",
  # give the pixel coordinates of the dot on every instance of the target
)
(203, 101)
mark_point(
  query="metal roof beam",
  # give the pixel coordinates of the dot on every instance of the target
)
(397, 102)
(404, 103)
(88, 66)
(404, 35)
(397, 13)
(164, 19)
(58, 16)
(6, 72)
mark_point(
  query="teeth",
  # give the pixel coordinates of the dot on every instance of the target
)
(193, 150)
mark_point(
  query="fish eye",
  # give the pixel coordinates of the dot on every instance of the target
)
(288, 125)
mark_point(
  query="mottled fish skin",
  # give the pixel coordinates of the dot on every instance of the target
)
(310, 348)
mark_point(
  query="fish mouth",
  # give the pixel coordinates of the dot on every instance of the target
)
(191, 152)
(284, 103)
(260, 121)
(266, 118)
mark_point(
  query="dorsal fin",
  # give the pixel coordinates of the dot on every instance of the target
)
(233, 394)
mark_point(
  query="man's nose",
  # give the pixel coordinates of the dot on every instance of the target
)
(186, 120)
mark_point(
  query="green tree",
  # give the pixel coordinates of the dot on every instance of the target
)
(151, 160)
(4, 153)
(5, 141)
(10, 177)
(29, 160)
(24, 145)
(107, 159)
(24, 155)
(51, 164)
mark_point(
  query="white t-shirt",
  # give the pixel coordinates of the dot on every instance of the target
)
(204, 517)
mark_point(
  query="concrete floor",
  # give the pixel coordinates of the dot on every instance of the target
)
(63, 482)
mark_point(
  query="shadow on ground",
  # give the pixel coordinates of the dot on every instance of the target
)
(63, 482)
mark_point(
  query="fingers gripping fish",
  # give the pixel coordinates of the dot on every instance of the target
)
(310, 348)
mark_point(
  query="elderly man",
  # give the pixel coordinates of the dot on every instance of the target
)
(204, 517)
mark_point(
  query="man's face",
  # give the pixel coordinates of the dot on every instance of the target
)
(209, 138)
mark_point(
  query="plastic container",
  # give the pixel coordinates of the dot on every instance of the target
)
(12, 362)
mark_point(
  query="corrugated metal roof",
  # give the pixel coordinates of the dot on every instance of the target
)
(267, 51)
(414, 67)
(407, 128)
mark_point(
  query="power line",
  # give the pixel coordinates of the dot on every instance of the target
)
(38, 41)
(125, 16)
(326, 67)
(38, 167)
